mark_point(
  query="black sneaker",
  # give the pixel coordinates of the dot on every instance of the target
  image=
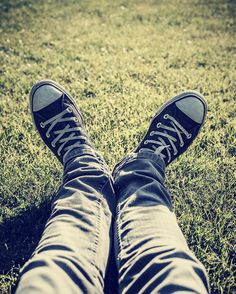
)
(57, 118)
(175, 126)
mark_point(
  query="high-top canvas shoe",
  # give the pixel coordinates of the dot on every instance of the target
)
(57, 118)
(175, 126)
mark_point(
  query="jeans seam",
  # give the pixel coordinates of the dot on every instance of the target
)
(118, 231)
(98, 223)
(96, 242)
(103, 182)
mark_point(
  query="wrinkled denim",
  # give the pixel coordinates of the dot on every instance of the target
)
(75, 252)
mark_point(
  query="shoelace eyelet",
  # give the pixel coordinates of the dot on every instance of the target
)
(76, 119)
(158, 125)
(189, 136)
(42, 125)
(152, 133)
(48, 135)
(166, 116)
(69, 109)
(181, 144)
(53, 145)
(145, 142)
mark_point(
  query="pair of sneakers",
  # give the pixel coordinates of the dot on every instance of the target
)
(60, 123)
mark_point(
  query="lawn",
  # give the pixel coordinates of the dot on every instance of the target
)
(120, 60)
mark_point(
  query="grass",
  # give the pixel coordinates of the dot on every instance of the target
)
(120, 60)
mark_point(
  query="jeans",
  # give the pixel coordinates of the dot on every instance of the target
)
(76, 249)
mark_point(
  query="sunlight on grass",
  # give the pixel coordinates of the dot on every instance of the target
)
(120, 60)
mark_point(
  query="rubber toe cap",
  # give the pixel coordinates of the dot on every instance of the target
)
(44, 96)
(193, 108)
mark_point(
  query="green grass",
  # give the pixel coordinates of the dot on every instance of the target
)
(120, 60)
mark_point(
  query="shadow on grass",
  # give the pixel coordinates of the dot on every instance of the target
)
(20, 235)
(8, 5)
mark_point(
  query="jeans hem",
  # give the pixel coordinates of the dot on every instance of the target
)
(148, 155)
(82, 151)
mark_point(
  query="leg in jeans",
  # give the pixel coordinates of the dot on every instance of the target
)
(152, 254)
(73, 252)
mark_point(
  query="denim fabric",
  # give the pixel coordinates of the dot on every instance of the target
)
(151, 253)
(72, 255)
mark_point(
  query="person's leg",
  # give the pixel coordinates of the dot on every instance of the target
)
(73, 252)
(152, 254)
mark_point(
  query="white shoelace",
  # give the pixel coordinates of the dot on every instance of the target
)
(160, 144)
(60, 133)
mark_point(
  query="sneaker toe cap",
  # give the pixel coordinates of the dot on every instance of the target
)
(44, 96)
(192, 107)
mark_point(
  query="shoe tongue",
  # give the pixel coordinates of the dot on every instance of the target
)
(54, 109)
(160, 149)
